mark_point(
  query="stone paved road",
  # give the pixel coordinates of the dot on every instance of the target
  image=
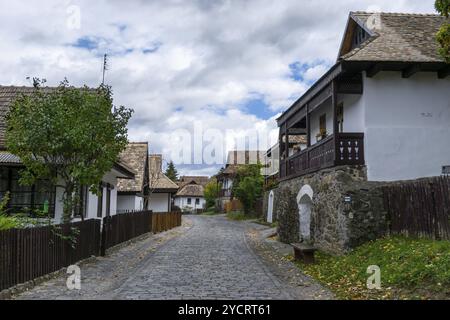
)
(209, 258)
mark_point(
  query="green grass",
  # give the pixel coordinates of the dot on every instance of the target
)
(410, 269)
(239, 216)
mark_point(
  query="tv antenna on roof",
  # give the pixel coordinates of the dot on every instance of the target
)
(105, 66)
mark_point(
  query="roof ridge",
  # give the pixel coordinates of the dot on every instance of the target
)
(398, 13)
(138, 142)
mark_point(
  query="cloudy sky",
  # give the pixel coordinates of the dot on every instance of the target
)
(211, 64)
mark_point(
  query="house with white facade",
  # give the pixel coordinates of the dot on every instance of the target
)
(133, 194)
(42, 196)
(385, 103)
(380, 114)
(162, 189)
(190, 196)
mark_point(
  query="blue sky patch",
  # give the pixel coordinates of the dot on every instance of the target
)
(88, 43)
(298, 70)
(259, 108)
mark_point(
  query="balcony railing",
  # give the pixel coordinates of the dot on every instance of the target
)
(335, 150)
(224, 193)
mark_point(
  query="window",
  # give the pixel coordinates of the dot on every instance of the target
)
(359, 37)
(189, 201)
(340, 117)
(197, 201)
(26, 199)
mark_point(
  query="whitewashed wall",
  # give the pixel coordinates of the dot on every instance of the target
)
(92, 200)
(315, 120)
(129, 203)
(182, 202)
(407, 126)
(159, 202)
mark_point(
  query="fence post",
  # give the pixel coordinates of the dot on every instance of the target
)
(104, 236)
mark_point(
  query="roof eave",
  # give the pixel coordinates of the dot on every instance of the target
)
(330, 75)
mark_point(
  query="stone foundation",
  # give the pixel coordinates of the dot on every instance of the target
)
(346, 209)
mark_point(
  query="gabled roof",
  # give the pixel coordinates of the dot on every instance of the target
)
(158, 181)
(135, 156)
(201, 180)
(394, 37)
(396, 42)
(7, 96)
(191, 190)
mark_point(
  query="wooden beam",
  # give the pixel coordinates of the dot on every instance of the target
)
(334, 103)
(411, 70)
(374, 70)
(308, 126)
(444, 72)
(286, 149)
(297, 131)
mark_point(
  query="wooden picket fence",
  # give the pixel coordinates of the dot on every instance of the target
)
(123, 227)
(420, 208)
(27, 254)
(165, 221)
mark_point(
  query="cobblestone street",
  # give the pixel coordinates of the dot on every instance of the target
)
(206, 258)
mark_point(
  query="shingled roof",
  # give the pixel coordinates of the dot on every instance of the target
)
(159, 182)
(201, 180)
(395, 37)
(135, 156)
(191, 190)
(7, 96)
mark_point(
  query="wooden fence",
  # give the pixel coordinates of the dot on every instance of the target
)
(420, 209)
(165, 221)
(26, 254)
(123, 227)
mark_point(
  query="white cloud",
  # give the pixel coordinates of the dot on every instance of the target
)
(205, 58)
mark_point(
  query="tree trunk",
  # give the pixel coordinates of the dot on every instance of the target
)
(68, 203)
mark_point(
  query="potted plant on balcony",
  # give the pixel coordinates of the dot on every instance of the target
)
(321, 135)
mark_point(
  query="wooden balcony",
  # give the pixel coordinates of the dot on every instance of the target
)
(335, 150)
(224, 193)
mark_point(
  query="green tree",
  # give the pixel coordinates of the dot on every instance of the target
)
(69, 136)
(211, 193)
(443, 36)
(248, 186)
(171, 171)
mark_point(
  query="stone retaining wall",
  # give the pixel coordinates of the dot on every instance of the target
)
(346, 209)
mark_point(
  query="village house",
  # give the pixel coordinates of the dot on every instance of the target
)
(132, 194)
(40, 196)
(162, 189)
(226, 176)
(190, 196)
(379, 115)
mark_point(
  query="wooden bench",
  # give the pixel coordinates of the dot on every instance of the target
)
(304, 252)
